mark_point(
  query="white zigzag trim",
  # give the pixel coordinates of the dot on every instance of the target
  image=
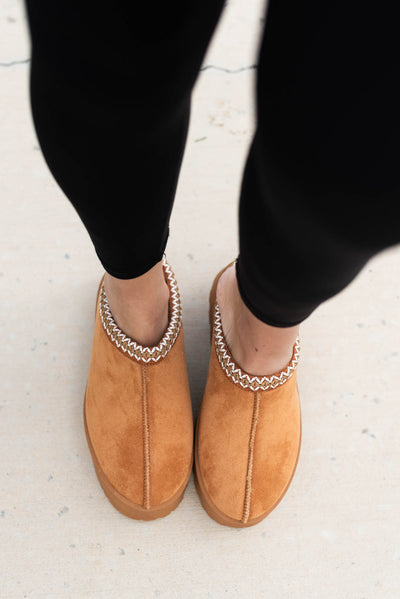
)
(254, 383)
(129, 345)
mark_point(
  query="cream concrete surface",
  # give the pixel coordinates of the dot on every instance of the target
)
(335, 534)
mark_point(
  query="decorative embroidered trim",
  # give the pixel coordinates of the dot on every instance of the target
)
(254, 383)
(128, 345)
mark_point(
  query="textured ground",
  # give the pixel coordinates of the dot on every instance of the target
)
(335, 534)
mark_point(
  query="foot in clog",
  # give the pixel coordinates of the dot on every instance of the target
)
(138, 415)
(248, 434)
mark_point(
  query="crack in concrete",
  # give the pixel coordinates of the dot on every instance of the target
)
(14, 62)
(205, 68)
(230, 71)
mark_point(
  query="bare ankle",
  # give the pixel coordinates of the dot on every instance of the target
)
(140, 305)
(258, 348)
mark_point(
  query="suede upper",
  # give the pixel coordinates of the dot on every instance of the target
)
(139, 419)
(247, 441)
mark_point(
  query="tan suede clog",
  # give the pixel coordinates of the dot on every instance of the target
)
(248, 434)
(138, 414)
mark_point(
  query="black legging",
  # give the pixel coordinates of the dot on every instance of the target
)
(111, 87)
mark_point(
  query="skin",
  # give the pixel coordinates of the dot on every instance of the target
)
(140, 308)
(256, 347)
(140, 305)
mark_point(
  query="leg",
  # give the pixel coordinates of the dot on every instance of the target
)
(320, 190)
(318, 199)
(110, 93)
(110, 96)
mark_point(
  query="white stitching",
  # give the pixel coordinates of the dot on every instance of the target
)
(129, 345)
(254, 383)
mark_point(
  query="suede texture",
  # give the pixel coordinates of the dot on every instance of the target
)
(247, 441)
(223, 440)
(139, 419)
(276, 447)
(170, 423)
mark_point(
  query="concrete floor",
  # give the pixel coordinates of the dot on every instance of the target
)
(335, 534)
